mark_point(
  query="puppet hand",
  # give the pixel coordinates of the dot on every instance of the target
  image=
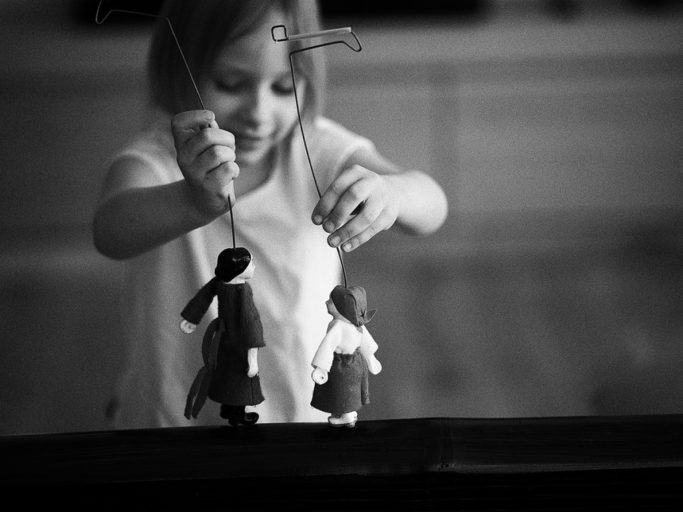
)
(319, 376)
(187, 327)
(252, 371)
(356, 206)
(206, 157)
(374, 366)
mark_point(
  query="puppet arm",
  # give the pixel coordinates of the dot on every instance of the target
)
(319, 375)
(325, 353)
(199, 304)
(252, 360)
(368, 347)
(322, 361)
(187, 327)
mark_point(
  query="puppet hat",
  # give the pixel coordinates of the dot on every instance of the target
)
(232, 262)
(352, 303)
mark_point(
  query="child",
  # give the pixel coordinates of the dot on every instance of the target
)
(167, 196)
(345, 356)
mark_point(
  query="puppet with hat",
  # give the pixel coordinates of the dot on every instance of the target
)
(345, 356)
(231, 342)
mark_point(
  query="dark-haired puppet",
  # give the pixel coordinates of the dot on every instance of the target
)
(231, 342)
(345, 356)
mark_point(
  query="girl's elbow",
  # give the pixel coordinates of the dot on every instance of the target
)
(441, 210)
(107, 249)
(105, 242)
(437, 213)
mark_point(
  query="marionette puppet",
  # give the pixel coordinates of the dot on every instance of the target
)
(231, 341)
(346, 353)
(345, 356)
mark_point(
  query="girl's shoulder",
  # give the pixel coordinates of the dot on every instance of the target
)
(332, 144)
(326, 130)
(154, 138)
(152, 144)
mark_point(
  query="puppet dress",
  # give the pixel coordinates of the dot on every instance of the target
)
(344, 353)
(346, 389)
(236, 330)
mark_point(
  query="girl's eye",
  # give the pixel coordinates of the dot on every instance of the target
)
(284, 87)
(227, 86)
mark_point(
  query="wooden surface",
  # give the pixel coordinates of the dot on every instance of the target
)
(431, 463)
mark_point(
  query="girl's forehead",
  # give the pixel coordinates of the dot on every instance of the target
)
(253, 52)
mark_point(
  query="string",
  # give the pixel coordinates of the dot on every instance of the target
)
(99, 21)
(284, 37)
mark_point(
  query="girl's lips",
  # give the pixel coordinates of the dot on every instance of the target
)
(249, 140)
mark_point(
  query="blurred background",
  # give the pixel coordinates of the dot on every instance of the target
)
(556, 127)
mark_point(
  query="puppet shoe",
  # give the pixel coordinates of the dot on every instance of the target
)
(350, 419)
(231, 411)
(335, 421)
(250, 418)
(247, 418)
(236, 415)
(346, 420)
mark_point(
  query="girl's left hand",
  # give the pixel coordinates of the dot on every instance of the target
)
(356, 206)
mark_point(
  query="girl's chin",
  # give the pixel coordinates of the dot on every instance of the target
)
(250, 156)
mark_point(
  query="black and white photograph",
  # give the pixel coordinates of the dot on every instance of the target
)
(341, 255)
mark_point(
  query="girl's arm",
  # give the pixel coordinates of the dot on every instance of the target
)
(136, 214)
(373, 194)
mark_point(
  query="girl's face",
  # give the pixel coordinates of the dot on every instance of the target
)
(250, 90)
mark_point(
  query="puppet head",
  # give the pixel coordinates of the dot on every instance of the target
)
(352, 304)
(232, 262)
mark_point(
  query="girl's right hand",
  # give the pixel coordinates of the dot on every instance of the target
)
(206, 157)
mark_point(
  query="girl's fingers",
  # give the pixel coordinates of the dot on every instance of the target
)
(333, 194)
(206, 151)
(361, 235)
(187, 124)
(354, 199)
(367, 219)
(206, 138)
(215, 156)
(224, 174)
(220, 186)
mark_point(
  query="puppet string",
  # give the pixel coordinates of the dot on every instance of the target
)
(296, 97)
(99, 21)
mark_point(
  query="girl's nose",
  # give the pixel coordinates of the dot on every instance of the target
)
(257, 106)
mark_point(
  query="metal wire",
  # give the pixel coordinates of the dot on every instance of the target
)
(283, 37)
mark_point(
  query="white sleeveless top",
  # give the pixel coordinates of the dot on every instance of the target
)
(295, 272)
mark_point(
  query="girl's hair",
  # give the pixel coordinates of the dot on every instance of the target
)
(203, 27)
